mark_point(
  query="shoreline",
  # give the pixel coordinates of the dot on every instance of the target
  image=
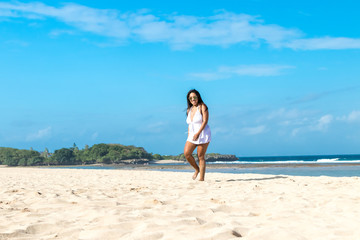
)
(174, 164)
(185, 165)
(299, 169)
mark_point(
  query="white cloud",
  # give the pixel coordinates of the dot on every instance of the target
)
(209, 76)
(255, 70)
(42, 133)
(260, 70)
(7, 13)
(323, 123)
(254, 130)
(98, 21)
(295, 121)
(324, 43)
(58, 32)
(224, 29)
(179, 31)
(354, 116)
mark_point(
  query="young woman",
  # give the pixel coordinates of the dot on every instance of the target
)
(199, 134)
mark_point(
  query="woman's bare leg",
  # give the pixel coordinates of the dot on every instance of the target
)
(188, 150)
(201, 155)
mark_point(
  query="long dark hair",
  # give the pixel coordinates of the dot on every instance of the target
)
(200, 101)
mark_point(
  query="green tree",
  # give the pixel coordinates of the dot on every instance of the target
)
(98, 151)
(45, 153)
(64, 156)
(75, 148)
(18, 157)
(157, 157)
(49, 161)
(36, 161)
(85, 157)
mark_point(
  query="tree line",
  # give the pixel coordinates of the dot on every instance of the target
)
(98, 153)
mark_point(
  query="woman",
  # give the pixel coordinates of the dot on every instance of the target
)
(199, 134)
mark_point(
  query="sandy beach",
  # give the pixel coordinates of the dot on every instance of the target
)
(143, 204)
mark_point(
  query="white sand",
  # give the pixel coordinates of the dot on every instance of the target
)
(131, 204)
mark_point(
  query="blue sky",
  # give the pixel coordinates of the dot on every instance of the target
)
(279, 78)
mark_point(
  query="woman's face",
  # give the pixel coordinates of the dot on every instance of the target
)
(193, 99)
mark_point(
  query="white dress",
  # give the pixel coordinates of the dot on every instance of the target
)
(194, 126)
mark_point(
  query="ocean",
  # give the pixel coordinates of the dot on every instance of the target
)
(319, 165)
(318, 159)
(308, 165)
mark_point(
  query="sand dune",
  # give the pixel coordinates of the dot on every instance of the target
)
(130, 204)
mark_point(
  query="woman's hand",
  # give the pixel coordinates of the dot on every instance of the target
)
(196, 136)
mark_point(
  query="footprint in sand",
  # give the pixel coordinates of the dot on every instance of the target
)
(200, 221)
(44, 229)
(217, 201)
(30, 231)
(154, 202)
(222, 208)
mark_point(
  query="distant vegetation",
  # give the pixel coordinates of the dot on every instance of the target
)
(98, 153)
(17, 157)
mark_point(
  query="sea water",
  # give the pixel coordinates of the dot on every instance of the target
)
(354, 158)
(319, 165)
